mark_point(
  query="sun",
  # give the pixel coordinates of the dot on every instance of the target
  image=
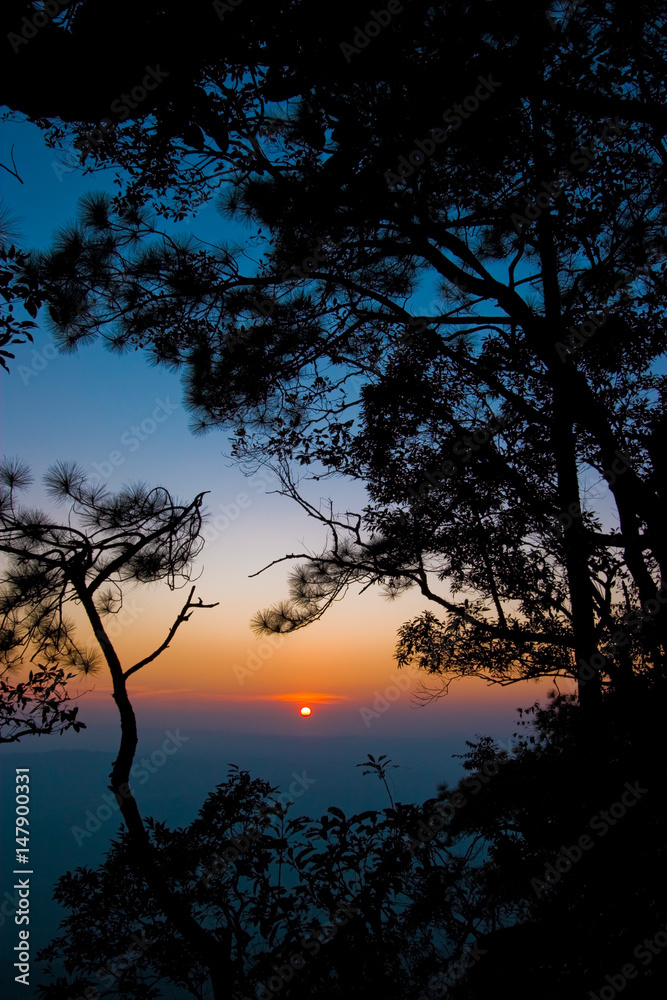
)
(305, 710)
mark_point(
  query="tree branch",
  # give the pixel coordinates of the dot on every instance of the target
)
(182, 617)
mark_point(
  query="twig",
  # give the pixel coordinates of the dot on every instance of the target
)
(13, 172)
(182, 617)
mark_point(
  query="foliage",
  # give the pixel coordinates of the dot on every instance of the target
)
(487, 428)
(18, 284)
(37, 705)
(429, 883)
(104, 544)
(579, 922)
(279, 889)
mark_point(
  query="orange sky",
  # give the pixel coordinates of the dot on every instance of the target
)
(341, 666)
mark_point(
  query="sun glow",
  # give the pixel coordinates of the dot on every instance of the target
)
(305, 710)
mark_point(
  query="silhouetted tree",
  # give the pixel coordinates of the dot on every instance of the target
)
(533, 218)
(571, 853)
(38, 705)
(138, 535)
(39, 655)
(343, 893)
(17, 287)
(490, 881)
(500, 284)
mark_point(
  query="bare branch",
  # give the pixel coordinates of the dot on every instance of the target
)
(182, 617)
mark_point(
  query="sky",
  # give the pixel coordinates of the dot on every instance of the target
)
(223, 695)
(123, 420)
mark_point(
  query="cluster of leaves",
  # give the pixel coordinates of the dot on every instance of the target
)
(105, 543)
(18, 286)
(267, 903)
(422, 890)
(39, 705)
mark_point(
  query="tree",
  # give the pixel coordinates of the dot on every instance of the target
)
(331, 907)
(17, 285)
(533, 221)
(187, 107)
(138, 535)
(188, 918)
(531, 867)
(155, 98)
(537, 218)
(135, 536)
(570, 852)
(33, 629)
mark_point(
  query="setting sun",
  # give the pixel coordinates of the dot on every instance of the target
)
(305, 710)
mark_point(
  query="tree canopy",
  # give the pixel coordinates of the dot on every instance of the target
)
(527, 870)
(453, 293)
(505, 162)
(106, 543)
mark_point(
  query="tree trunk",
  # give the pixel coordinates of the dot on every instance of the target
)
(172, 903)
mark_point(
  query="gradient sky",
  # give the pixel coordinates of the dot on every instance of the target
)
(83, 407)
